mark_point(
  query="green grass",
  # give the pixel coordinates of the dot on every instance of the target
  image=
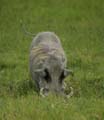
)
(79, 24)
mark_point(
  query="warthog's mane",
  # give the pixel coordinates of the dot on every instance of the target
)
(42, 52)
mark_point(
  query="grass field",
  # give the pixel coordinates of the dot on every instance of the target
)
(80, 26)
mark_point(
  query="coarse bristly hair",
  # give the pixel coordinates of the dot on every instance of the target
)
(48, 62)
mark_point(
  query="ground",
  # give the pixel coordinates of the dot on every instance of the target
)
(79, 24)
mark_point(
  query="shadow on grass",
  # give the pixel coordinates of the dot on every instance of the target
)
(6, 66)
(84, 88)
(16, 89)
(23, 88)
(93, 87)
(87, 87)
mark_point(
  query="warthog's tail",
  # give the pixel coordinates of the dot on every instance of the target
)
(24, 29)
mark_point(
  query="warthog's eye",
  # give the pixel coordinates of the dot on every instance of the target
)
(47, 76)
(62, 76)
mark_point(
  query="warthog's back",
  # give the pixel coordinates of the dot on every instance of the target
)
(44, 45)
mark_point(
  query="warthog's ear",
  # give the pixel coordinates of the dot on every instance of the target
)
(68, 72)
(64, 74)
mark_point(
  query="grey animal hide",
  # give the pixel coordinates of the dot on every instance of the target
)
(48, 63)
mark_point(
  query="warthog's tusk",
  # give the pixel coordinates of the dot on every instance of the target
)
(41, 92)
(64, 85)
(71, 93)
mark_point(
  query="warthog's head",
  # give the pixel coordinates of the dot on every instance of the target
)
(52, 77)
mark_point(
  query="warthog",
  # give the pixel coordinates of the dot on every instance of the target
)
(48, 64)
